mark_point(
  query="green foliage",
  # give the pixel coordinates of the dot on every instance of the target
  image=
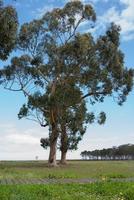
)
(102, 118)
(23, 111)
(8, 30)
(122, 152)
(74, 121)
(45, 142)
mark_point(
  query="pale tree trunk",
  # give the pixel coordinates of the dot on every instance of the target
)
(63, 158)
(64, 145)
(53, 146)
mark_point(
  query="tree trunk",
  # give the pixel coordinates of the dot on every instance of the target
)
(54, 132)
(53, 146)
(63, 158)
(52, 154)
(64, 145)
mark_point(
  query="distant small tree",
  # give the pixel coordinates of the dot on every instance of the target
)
(36, 158)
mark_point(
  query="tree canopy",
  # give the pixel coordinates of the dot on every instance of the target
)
(8, 30)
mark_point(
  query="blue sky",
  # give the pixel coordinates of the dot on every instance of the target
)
(19, 139)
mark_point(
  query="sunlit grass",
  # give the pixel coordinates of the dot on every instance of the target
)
(96, 191)
(74, 169)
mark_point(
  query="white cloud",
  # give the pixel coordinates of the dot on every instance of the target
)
(41, 11)
(121, 16)
(124, 18)
(87, 1)
(18, 144)
(22, 139)
(93, 1)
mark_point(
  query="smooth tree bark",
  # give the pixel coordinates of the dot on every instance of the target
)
(54, 130)
(63, 157)
(64, 145)
(53, 146)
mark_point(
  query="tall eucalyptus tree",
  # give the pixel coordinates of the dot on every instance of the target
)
(61, 66)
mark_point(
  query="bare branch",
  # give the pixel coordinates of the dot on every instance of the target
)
(75, 28)
(94, 93)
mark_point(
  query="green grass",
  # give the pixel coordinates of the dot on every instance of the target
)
(96, 191)
(104, 190)
(74, 169)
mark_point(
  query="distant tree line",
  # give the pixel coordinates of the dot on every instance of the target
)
(122, 152)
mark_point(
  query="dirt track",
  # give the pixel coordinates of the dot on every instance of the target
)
(60, 181)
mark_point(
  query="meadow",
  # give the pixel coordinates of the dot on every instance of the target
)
(74, 169)
(94, 191)
(105, 172)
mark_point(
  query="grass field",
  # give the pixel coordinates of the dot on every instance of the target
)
(96, 191)
(104, 190)
(74, 169)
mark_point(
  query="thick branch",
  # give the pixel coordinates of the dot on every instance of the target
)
(94, 93)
